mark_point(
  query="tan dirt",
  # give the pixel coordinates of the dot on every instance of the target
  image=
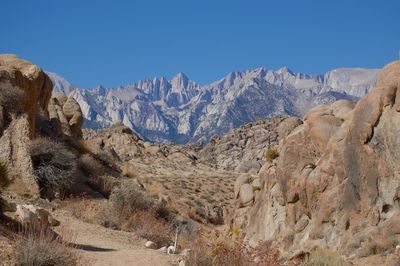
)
(102, 246)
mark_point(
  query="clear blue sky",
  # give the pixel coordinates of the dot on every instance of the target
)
(118, 42)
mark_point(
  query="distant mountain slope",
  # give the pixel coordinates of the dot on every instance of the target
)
(180, 110)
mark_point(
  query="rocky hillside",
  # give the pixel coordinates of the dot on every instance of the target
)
(180, 110)
(336, 181)
(243, 149)
(168, 172)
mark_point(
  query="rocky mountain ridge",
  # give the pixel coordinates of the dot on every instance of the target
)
(181, 111)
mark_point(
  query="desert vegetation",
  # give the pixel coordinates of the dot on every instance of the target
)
(42, 246)
(11, 98)
(271, 154)
(55, 167)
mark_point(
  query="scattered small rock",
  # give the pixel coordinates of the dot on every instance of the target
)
(163, 249)
(171, 250)
(151, 245)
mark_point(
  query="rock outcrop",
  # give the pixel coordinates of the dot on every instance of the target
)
(242, 149)
(25, 92)
(65, 115)
(16, 73)
(336, 182)
(34, 216)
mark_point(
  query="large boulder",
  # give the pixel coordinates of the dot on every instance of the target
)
(15, 74)
(34, 216)
(336, 182)
(25, 91)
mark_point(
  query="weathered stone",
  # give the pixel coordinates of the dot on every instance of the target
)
(151, 245)
(246, 194)
(33, 215)
(16, 73)
(20, 75)
(241, 180)
(65, 115)
(241, 149)
(336, 179)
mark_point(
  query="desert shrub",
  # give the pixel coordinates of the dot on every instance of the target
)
(265, 255)
(129, 170)
(150, 227)
(271, 154)
(79, 146)
(93, 211)
(325, 257)
(43, 247)
(90, 166)
(55, 167)
(86, 147)
(11, 98)
(3, 173)
(104, 184)
(226, 253)
(200, 254)
(126, 199)
(207, 251)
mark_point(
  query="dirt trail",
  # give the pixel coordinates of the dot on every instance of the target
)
(101, 246)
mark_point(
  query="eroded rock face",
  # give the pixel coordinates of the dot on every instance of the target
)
(336, 182)
(16, 73)
(31, 89)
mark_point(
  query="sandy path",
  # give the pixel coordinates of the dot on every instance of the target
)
(101, 246)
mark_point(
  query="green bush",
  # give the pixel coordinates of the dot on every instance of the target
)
(271, 154)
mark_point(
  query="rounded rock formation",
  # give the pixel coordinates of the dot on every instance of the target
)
(336, 182)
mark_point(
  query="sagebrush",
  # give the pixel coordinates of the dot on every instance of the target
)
(127, 199)
(55, 167)
(42, 247)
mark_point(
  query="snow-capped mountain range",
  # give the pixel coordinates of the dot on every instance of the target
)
(180, 110)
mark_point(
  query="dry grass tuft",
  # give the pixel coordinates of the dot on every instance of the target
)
(206, 251)
(209, 250)
(36, 247)
(126, 200)
(325, 257)
(271, 154)
(148, 226)
(93, 211)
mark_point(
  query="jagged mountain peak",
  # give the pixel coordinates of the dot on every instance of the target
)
(180, 110)
(180, 81)
(285, 70)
